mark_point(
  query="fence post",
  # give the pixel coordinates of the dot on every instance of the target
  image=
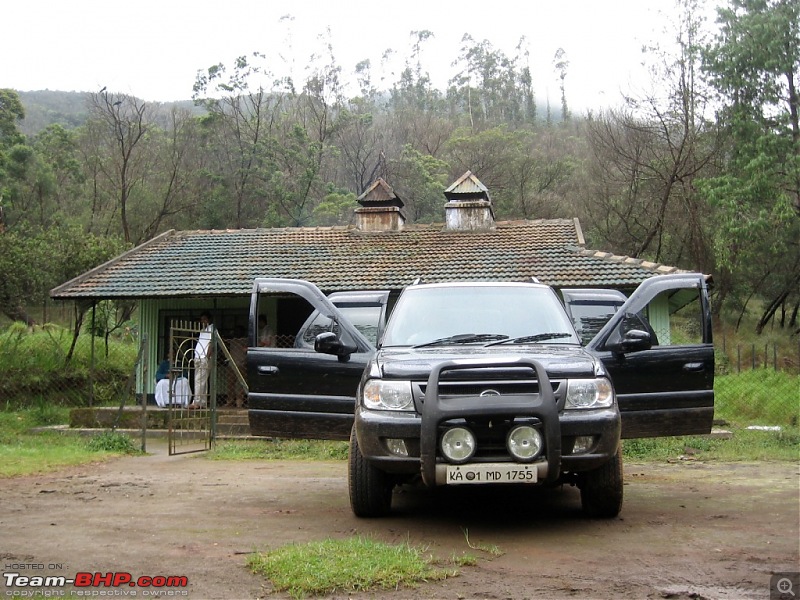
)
(91, 360)
(143, 359)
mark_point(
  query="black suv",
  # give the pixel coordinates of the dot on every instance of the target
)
(488, 383)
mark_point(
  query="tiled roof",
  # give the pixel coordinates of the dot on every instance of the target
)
(218, 263)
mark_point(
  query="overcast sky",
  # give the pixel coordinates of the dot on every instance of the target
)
(153, 48)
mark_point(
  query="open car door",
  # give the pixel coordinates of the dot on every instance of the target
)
(658, 350)
(305, 386)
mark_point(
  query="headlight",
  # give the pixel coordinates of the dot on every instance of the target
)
(589, 393)
(388, 395)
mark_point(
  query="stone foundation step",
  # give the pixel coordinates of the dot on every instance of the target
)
(233, 430)
(228, 417)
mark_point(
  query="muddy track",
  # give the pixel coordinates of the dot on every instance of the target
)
(687, 529)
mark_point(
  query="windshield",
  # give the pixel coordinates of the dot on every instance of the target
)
(430, 316)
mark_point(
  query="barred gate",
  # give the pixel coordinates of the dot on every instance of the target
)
(192, 388)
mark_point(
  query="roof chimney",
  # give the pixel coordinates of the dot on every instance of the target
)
(381, 209)
(468, 207)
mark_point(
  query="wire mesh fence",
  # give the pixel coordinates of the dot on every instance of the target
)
(757, 385)
(739, 357)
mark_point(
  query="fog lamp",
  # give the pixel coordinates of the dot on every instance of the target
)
(524, 442)
(397, 447)
(583, 443)
(458, 444)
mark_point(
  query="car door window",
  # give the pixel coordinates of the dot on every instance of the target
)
(589, 317)
(364, 318)
(675, 317)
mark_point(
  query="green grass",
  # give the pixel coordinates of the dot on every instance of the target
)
(354, 564)
(760, 397)
(744, 445)
(33, 364)
(267, 449)
(23, 452)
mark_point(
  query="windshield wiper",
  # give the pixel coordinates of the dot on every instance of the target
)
(532, 339)
(465, 338)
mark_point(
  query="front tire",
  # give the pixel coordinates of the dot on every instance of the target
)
(601, 489)
(370, 488)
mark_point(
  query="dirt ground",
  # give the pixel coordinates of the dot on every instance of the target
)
(687, 530)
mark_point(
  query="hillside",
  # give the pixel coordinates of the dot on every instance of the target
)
(45, 107)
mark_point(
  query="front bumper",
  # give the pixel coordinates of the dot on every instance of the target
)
(380, 432)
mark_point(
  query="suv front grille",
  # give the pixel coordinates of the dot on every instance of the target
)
(487, 389)
(490, 432)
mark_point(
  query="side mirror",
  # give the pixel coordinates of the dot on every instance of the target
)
(328, 343)
(634, 340)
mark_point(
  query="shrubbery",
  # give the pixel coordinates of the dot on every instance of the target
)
(34, 367)
(112, 441)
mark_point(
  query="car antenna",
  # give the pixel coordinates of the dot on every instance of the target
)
(535, 279)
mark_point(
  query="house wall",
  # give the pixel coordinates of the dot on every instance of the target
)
(658, 315)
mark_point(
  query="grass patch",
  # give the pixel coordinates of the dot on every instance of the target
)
(45, 453)
(760, 397)
(112, 441)
(744, 445)
(350, 565)
(33, 363)
(24, 452)
(268, 449)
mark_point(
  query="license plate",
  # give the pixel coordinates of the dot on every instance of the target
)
(491, 473)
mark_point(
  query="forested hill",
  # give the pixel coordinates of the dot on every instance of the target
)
(700, 170)
(69, 109)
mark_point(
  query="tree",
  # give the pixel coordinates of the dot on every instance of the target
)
(560, 63)
(420, 180)
(49, 185)
(172, 187)
(34, 262)
(360, 145)
(12, 156)
(335, 209)
(121, 123)
(239, 137)
(754, 65)
(647, 156)
(11, 112)
(490, 87)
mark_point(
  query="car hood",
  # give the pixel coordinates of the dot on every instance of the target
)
(416, 363)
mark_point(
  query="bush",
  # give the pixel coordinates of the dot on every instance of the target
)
(112, 441)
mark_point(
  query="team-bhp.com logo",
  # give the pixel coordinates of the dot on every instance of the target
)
(155, 585)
